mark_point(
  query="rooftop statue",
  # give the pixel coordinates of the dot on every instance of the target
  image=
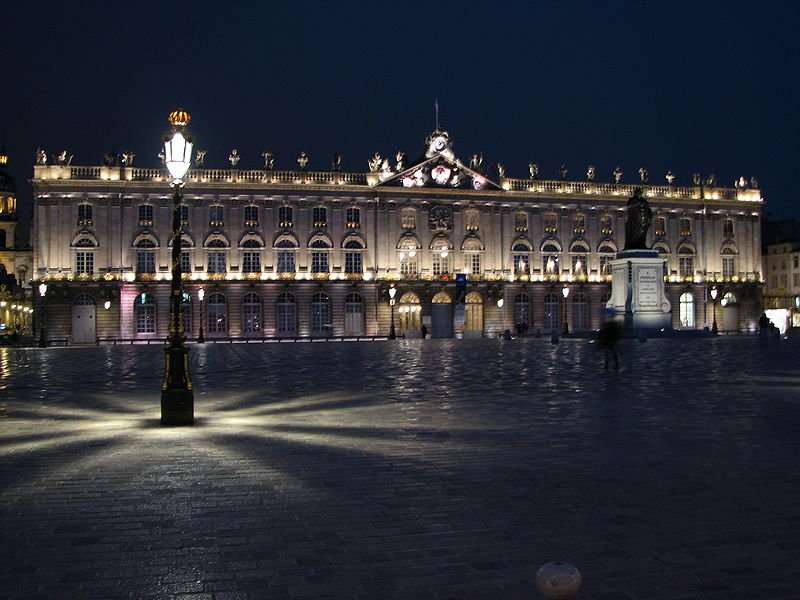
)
(200, 157)
(617, 174)
(475, 162)
(638, 221)
(127, 158)
(501, 170)
(269, 159)
(534, 170)
(336, 162)
(401, 161)
(696, 178)
(41, 157)
(234, 158)
(643, 174)
(302, 160)
(63, 158)
(670, 177)
(591, 172)
(563, 171)
(375, 163)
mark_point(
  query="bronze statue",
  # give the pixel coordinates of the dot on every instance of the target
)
(638, 221)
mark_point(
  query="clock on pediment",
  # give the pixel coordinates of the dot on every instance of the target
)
(438, 142)
(440, 218)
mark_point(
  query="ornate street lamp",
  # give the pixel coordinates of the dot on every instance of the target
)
(42, 292)
(201, 294)
(177, 398)
(392, 294)
(565, 292)
(714, 298)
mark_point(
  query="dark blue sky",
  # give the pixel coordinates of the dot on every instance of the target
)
(709, 87)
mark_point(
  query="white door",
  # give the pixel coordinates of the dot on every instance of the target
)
(84, 329)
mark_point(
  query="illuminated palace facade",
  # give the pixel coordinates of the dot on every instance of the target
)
(300, 253)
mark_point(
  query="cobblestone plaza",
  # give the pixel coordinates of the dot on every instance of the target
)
(444, 469)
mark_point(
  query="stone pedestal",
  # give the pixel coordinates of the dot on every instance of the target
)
(637, 290)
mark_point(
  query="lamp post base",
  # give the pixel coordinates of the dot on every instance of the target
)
(392, 334)
(177, 407)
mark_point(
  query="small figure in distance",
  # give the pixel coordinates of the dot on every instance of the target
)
(607, 338)
(424, 331)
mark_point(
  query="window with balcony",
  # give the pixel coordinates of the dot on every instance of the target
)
(251, 216)
(606, 225)
(409, 218)
(685, 227)
(145, 215)
(579, 224)
(521, 222)
(285, 217)
(84, 214)
(216, 216)
(319, 215)
(353, 218)
(319, 256)
(550, 222)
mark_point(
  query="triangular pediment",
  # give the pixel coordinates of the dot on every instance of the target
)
(440, 168)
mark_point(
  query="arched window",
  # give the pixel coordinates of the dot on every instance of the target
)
(440, 256)
(285, 314)
(84, 258)
(521, 257)
(579, 252)
(551, 316)
(606, 253)
(522, 312)
(472, 247)
(217, 311)
(251, 256)
(441, 298)
(687, 310)
(251, 313)
(728, 256)
(353, 314)
(407, 255)
(353, 252)
(285, 248)
(320, 249)
(580, 312)
(145, 256)
(320, 314)
(144, 313)
(686, 261)
(550, 252)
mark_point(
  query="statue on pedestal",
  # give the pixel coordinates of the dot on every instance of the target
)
(638, 221)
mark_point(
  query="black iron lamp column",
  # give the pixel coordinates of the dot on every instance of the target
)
(392, 293)
(201, 294)
(42, 293)
(714, 292)
(177, 397)
(565, 292)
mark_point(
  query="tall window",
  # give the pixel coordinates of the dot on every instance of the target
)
(579, 224)
(84, 214)
(685, 262)
(251, 313)
(409, 218)
(286, 251)
(84, 258)
(352, 258)
(186, 261)
(728, 266)
(216, 310)
(353, 218)
(551, 306)
(145, 215)
(216, 257)
(522, 311)
(550, 265)
(521, 259)
(144, 313)
(521, 222)
(184, 214)
(319, 257)
(145, 256)
(320, 217)
(727, 228)
(285, 313)
(660, 226)
(216, 216)
(550, 223)
(320, 313)
(471, 220)
(408, 263)
(606, 225)
(285, 219)
(250, 216)
(579, 264)
(685, 227)
(687, 310)
(440, 264)
(580, 312)
(473, 263)
(251, 257)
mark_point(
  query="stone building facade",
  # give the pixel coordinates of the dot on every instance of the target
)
(297, 253)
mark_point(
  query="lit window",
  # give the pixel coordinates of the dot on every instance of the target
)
(660, 226)
(145, 215)
(144, 313)
(550, 223)
(320, 217)
(728, 267)
(409, 218)
(285, 217)
(606, 225)
(353, 217)
(84, 262)
(251, 216)
(685, 227)
(84, 214)
(216, 311)
(216, 261)
(216, 216)
(687, 310)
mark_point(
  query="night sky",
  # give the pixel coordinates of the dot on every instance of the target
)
(709, 87)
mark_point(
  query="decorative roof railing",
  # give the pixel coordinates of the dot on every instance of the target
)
(268, 176)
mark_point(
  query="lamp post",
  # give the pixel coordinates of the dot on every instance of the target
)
(201, 294)
(392, 294)
(177, 397)
(714, 309)
(565, 292)
(42, 292)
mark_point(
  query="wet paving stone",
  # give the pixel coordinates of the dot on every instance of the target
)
(407, 469)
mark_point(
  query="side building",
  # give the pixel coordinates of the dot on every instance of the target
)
(298, 253)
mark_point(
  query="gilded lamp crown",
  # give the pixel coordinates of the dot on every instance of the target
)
(179, 118)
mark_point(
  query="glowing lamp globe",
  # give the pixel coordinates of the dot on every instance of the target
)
(565, 292)
(42, 289)
(177, 146)
(714, 293)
